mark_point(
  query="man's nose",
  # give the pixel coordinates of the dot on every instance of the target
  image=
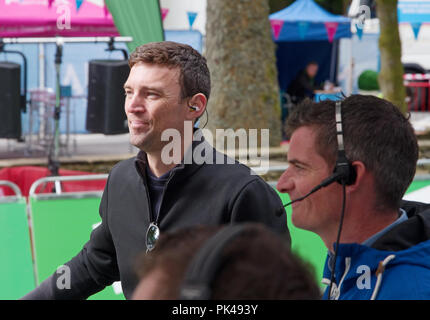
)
(134, 104)
(285, 183)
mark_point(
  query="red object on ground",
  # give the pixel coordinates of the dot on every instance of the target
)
(418, 90)
(25, 176)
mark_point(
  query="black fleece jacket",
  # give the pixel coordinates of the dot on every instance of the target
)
(210, 194)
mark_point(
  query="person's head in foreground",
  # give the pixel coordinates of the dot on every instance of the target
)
(254, 263)
(382, 149)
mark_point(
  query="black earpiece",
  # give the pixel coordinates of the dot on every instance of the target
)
(197, 284)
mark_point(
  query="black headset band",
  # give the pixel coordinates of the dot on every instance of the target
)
(205, 264)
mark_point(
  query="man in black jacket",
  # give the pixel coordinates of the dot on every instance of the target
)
(168, 88)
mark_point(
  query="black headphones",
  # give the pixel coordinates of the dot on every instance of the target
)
(206, 263)
(343, 169)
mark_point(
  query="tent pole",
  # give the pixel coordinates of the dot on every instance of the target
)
(41, 52)
(333, 61)
(351, 68)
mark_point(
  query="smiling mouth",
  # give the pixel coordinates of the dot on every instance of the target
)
(138, 124)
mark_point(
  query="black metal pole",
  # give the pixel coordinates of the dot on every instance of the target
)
(53, 157)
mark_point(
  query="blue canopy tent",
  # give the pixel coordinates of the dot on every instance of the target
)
(305, 32)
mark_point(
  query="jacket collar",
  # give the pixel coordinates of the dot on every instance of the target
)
(187, 167)
(409, 233)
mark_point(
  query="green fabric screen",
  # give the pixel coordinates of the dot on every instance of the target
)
(138, 19)
(60, 229)
(16, 267)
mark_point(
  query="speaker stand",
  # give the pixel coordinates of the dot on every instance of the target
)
(53, 155)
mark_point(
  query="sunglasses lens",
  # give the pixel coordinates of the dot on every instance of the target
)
(152, 236)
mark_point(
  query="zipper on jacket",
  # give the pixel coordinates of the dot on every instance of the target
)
(172, 173)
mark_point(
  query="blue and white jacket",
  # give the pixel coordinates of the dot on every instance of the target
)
(395, 267)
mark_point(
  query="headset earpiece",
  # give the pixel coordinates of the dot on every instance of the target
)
(345, 170)
(194, 108)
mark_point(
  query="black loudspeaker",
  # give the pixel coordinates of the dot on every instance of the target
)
(10, 100)
(105, 110)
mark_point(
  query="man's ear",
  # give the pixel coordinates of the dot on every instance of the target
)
(196, 106)
(361, 172)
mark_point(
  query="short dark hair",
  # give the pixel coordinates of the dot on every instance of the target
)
(257, 264)
(194, 73)
(375, 133)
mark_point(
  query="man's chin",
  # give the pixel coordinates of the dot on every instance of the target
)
(298, 221)
(138, 141)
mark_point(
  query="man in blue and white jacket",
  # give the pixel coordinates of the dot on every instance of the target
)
(384, 246)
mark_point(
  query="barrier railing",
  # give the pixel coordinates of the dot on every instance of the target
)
(14, 187)
(59, 190)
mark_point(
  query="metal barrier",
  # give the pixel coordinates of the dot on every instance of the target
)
(15, 188)
(58, 190)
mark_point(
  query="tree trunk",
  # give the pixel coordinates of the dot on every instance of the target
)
(241, 57)
(391, 75)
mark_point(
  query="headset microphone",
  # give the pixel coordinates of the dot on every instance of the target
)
(334, 177)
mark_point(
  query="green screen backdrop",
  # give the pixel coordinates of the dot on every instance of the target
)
(16, 265)
(60, 229)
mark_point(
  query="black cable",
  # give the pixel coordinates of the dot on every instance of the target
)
(207, 119)
(334, 177)
(337, 240)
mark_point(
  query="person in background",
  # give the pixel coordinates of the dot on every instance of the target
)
(303, 86)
